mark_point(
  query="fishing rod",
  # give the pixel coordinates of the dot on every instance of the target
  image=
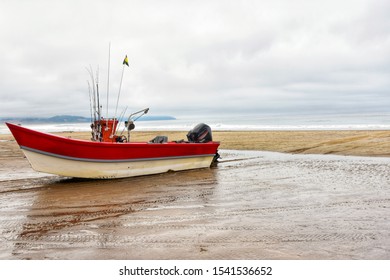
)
(97, 94)
(120, 117)
(93, 91)
(90, 101)
(108, 81)
(96, 105)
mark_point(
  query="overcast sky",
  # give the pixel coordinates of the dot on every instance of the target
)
(196, 57)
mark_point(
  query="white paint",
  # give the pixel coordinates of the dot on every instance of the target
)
(107, 170)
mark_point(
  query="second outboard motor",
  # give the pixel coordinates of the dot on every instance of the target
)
(200, 134)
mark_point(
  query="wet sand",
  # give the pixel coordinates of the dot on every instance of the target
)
(253, 205)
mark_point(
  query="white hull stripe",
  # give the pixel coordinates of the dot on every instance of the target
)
(107, 170)
(110, 160)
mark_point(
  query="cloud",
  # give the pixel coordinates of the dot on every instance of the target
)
(188, 57)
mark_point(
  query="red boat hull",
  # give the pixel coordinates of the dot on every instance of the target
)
(95, 159)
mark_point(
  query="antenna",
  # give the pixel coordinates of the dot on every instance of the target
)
(125, 62)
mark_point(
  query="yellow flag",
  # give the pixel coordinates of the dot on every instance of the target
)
(126, 61)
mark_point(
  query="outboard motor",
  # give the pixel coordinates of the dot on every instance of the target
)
(200, 134)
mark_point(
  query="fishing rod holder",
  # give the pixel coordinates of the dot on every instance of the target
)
(130, 121)
(129, 124)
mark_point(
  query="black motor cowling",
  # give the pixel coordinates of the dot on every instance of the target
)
(200, 134)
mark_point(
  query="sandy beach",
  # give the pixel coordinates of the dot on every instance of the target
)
(357, 143)
(309, 202)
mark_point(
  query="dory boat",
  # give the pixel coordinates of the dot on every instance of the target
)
(114, 157)
(109, 155)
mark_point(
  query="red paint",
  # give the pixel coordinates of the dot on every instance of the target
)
(84, 149)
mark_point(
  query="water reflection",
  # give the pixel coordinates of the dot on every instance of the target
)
(69, 213)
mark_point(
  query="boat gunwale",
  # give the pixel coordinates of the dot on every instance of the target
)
(64, 139)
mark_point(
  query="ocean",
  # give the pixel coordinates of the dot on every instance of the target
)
(373, 121)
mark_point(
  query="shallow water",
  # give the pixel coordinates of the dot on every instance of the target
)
(253, 205)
